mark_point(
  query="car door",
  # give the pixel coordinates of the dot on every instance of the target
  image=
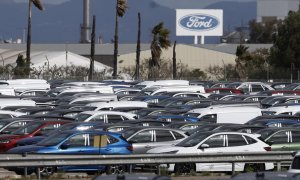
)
(294, 141)
(141, 140)
(162, 138)
(80, 144)
(214, 144)
(280, 141)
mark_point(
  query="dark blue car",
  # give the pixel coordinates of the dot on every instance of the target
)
(77, 143)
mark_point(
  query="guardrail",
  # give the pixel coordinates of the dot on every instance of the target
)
(46, 160)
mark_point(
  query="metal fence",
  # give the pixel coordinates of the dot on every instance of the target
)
(55, 160)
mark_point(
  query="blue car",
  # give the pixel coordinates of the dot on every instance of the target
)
(77, 143)
(70, 126)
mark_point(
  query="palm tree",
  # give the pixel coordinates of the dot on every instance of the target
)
(38, 4)
(241, 61)
(121, 8)
(160, 41)
(138, 49)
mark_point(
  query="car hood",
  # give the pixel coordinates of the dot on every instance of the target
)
(26, 149)
(165, 149)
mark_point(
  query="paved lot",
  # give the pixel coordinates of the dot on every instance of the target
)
(8, 175)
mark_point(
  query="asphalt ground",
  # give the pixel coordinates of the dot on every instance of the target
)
(9, 175)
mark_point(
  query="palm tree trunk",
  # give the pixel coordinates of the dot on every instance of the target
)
(27, 66)
(174, 61)
(138, 49)
(92, 49)
(116, 41)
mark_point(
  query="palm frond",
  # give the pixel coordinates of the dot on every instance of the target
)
(38, 4)
(121, 7)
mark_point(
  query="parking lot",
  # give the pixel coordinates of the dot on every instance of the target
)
(166, 117)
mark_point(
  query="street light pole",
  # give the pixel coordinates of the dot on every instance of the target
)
(2, 66)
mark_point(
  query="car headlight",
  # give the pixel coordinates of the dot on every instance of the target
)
(5, 141)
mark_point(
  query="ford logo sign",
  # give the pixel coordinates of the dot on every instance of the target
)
(199, 22)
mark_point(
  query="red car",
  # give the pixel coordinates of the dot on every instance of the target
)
(223, 90)
(36, 128)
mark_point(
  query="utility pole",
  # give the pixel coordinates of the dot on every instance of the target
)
(92, 49)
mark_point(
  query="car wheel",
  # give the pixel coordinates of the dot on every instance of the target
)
(116, 169)
(184, 168)
(254, 167)
(21, 172)
(47, 171)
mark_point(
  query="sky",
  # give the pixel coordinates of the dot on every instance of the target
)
(47, 1)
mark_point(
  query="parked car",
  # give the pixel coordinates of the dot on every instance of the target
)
(7, 126)
(145, 138)
(104, 116)
(201, 142)
(35, 128)
(281, 139)
(79, 143)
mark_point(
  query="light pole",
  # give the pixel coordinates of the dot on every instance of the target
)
(38, 4)
(2, 66)
(292, 67)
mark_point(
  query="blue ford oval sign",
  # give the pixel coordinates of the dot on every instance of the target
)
(199, 22)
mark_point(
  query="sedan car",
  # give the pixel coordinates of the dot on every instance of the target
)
(35, 128)
(215, 142)
(78, 143)
(145, 138)
(281, 139)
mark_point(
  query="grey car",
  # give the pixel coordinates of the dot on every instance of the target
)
(145, 138)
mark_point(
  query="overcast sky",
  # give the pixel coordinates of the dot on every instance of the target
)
(47, 1)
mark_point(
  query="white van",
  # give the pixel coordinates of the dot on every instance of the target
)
(157, 89)
(118, 104)
(20, 85)
(283, 110)
(146, 84)
(238, 114)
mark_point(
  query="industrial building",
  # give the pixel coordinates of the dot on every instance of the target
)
(194, 56)
(268, 10)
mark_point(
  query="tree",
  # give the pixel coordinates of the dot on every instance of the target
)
(38, 4)
(286, 45)
(262, 32)
(242, 60)
(159, 41)
(21, 70)
(121, 7)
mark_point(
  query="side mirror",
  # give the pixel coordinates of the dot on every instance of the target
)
(203, 146)
(64, 146)
(270, 143)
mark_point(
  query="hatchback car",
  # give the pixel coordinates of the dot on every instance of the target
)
(281, 139)
(78, 143)
(145, 138)
(35, 128)
(215, 142)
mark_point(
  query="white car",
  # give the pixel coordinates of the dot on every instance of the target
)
(215, 142)
(104, 116)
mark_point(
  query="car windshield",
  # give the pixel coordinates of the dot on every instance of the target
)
(193, 140)
(81, 117)
(265, 133)
(291, 86)
(128, 132)
(233, 85)
(54, 139)
(28, 129)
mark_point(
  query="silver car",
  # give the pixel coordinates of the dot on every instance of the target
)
(146, 138)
